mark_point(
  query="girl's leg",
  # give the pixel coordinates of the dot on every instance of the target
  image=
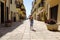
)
(31, 26)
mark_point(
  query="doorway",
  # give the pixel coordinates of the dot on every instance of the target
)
(14, 19)
(54, 12)
(2, 12)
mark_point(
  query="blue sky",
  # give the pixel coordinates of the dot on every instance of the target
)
(28, 6)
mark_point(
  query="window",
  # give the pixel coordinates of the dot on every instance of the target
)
(35, 2)
(41, 4)
(18, 4)
(11, 1)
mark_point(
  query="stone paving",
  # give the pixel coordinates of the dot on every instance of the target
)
(23, 32)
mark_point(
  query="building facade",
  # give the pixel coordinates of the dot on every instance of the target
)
(9, 10)
(46, 9)
(21, 10)
(53, 10)
(14, 16)
(37, 9)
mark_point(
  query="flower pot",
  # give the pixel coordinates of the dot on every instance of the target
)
(52, 27)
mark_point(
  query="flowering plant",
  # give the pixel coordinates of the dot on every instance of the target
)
(50, 21)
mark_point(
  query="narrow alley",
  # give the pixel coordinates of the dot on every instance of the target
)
(17, 17)
(23, 32)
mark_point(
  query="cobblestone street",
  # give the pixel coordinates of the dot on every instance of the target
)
(23, 32)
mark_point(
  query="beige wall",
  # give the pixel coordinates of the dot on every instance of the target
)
(10, 16)
(2, 1)
(13, 9)
(21, 1)
(13, 6)
(17, 17)
(48, 11)
(58, 18)
(52, 3)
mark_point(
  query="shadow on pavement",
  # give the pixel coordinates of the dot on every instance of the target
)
(55, 31)
(4, 30)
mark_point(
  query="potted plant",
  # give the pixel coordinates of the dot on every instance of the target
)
(51, 25)
(8, 23)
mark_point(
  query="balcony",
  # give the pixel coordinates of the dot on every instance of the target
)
(18, 4)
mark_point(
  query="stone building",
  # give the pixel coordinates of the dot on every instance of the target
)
(9, 10)
(43, 10)
(21, 10)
